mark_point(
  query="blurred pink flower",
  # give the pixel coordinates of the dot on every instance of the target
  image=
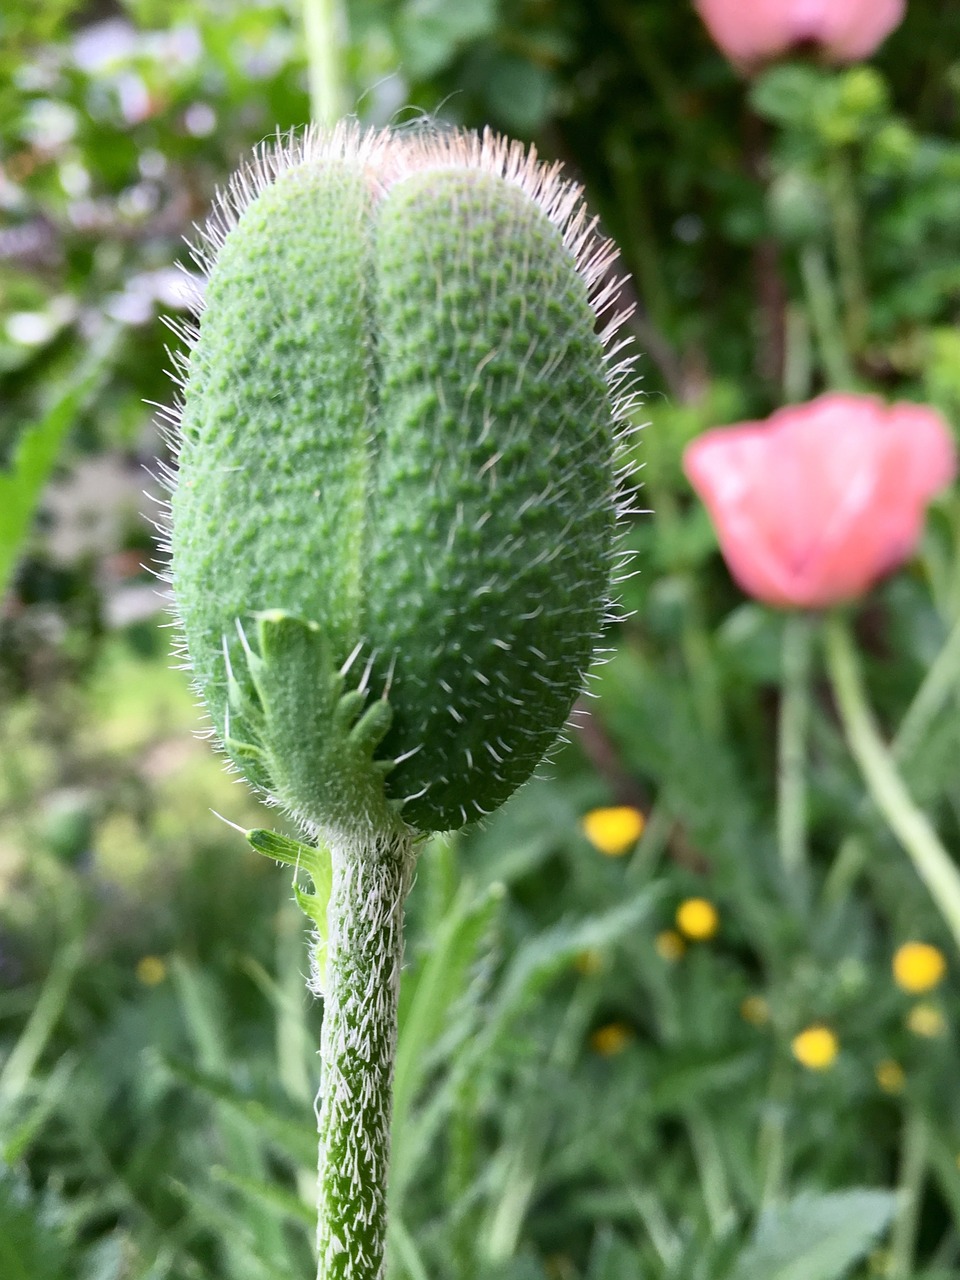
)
(814, 505)
(751, 32)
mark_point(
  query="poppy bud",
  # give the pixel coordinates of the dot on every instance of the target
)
(393, 526)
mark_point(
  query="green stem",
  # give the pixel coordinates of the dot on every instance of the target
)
(852, 856)
(846, 237)
(357, 1049)
(940, 683)
(797, 356)
(792, 746)
(641, 248)
(771, 1139)
(695, 645)
(913, 1168)
(46, 1013)
(822, 308)
(323, 23)
(708, 1158)
(911, 827)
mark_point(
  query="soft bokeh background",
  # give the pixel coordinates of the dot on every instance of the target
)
(630, 1049)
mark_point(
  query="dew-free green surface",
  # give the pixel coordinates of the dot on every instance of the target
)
(397, 426)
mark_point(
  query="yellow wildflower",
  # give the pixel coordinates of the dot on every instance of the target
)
(560, 1267)
(670, 946)
(755, 1010)
(611, 1039)
(879, 1262)
(151, 970)
(890, 1076)
(697, 919)
(588, 962)
(614, 831)
(918, 967)
(926, 1020)
(816, 1047)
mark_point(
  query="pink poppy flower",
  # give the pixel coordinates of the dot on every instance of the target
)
(814, 505)
(751, 32)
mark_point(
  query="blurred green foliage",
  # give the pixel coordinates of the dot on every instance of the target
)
(580, 1095)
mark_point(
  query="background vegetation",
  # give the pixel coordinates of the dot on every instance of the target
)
(590, 1086)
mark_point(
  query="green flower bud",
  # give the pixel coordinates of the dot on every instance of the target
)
(798, 208)
(393, 525)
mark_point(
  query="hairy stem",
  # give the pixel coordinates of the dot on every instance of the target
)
(357, 1048)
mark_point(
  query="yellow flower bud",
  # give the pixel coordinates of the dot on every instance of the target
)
(926, 1020)
(613, 831)
(698, 919)
(890, 1076)
(151, 971)
(755, 1010)
(918, 967)
(611, 1039)
(670, 946)
(816, 1047)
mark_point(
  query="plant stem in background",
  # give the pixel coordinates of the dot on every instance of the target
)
(846, 235)
(940, 683)
(911, 827)
(792, 745)
(695, 644)
(771, 1139)
(797, 355)
(324, 23)
(25, 1054)
(357, 1048)
(913, 1168)
(822, 307)
(850, 860)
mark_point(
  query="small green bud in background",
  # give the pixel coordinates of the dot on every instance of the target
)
(799, 208)
(393, 525)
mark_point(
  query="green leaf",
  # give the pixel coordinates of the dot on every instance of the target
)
(815, 1237)
(315, 861)
(288, 1133)
(247, 1259)
(432, 32)
(31, 1246)
(274, 1199)
(22, 1060)
(35, 455)
(50, 1090)
(784, 93)
(611, 1258)
(438, 983)
(541, 959)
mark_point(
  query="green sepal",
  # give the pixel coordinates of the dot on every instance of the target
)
(298, 732)
(315, 861)
(251, 759)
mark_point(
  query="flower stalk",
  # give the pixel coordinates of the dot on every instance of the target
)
(885, 784)
(792, 763)
(323, 24)
(357, 1050)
